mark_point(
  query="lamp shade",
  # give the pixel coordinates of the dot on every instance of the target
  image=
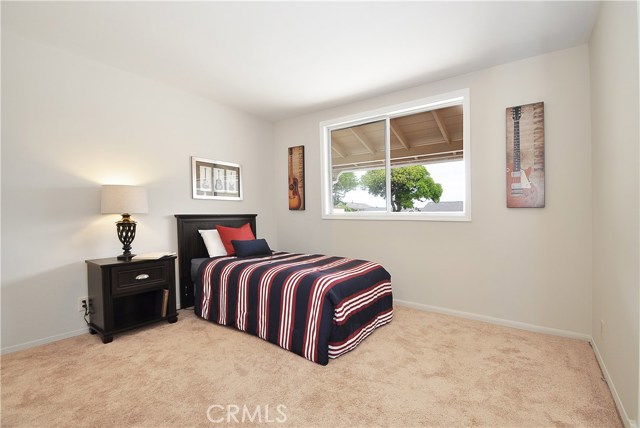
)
(118, 199)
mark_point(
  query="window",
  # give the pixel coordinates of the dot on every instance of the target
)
(409, 161)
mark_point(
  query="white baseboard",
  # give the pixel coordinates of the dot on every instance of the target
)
(497, 321)
(628, 423)
(27, 345)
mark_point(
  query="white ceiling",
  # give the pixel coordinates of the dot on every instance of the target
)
(283, 59)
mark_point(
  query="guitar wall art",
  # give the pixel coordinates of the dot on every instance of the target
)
(296, 178)
(525, 156)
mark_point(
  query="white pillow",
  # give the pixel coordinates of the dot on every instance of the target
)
(213, 243)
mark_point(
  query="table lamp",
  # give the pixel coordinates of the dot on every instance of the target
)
(125, 200)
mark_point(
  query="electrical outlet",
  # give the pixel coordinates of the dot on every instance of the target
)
(601, 328)
(81, 303)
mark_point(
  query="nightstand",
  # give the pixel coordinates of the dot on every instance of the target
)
(129, 294)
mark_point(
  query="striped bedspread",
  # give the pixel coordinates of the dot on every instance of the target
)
(317, 306)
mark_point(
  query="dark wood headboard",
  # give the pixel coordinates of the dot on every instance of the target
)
(191, 245)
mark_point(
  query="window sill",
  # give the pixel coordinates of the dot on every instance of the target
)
(382, 216)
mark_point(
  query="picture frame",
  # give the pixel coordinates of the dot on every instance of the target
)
(212, 179)
(296, 190)
(525, 172)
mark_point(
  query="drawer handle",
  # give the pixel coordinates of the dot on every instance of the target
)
(142, 276)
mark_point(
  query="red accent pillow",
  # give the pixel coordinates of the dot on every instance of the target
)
(228, 234)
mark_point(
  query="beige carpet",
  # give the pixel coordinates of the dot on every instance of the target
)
(423, 369)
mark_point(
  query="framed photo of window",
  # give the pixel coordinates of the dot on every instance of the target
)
(213, 179)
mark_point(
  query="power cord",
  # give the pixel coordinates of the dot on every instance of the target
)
(85, 305)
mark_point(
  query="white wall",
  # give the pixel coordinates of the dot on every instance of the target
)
(523, 265)
(616, 214)
(70, 125)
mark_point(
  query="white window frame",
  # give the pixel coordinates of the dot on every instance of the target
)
(460, 97)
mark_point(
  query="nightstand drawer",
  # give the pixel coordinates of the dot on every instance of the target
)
(128, 279)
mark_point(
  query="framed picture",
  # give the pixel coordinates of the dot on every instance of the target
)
(525, 156)
(213, 179)
(296, 178)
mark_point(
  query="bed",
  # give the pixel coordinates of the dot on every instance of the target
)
(317, 306)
